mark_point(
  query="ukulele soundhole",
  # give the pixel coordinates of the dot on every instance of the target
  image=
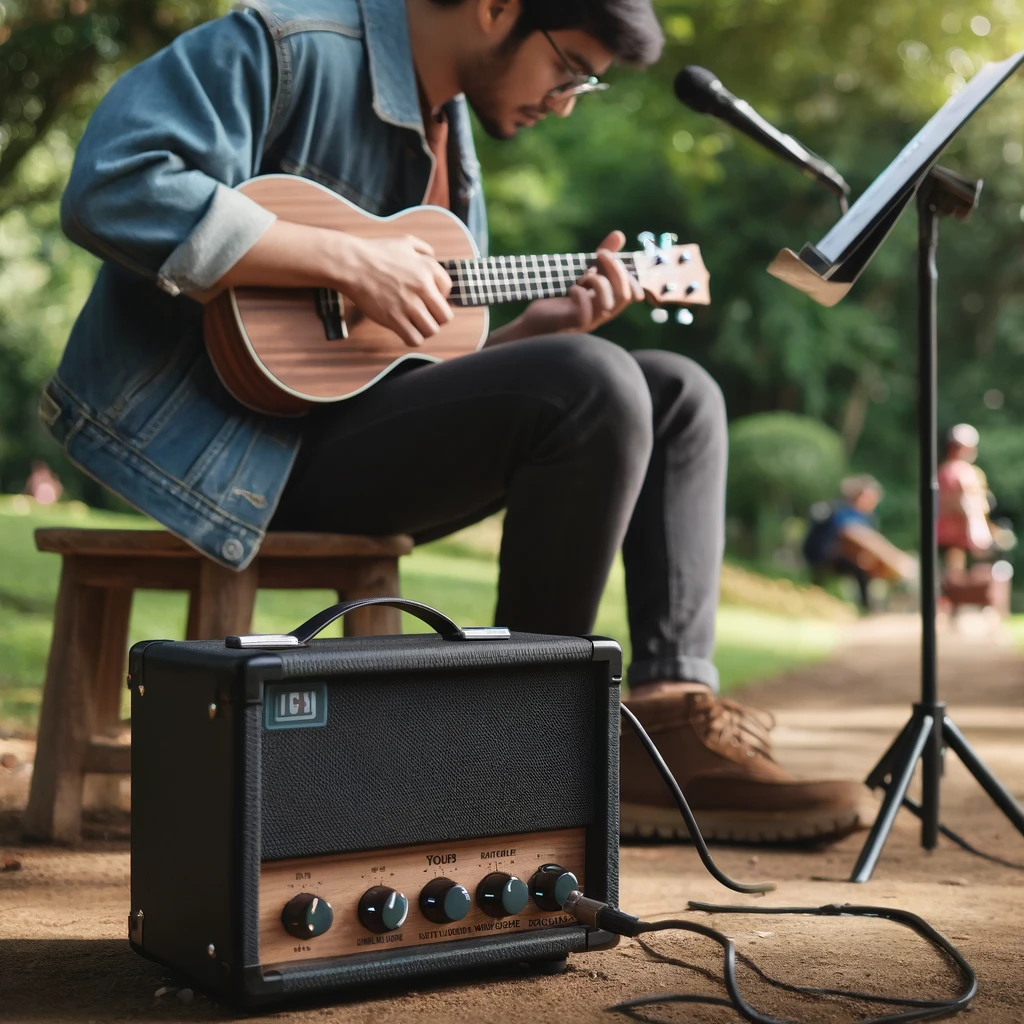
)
(330, 307)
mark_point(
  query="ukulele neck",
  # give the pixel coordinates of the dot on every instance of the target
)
(497, 279)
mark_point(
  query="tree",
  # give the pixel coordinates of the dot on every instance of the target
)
(57, 58)
(780, 464)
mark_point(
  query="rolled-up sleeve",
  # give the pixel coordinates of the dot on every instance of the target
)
(152, 187)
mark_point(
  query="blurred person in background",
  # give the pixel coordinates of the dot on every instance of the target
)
(964, 502)
(843, 540)
(43, 485)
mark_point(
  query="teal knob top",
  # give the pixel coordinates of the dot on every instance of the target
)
(502, 895)
(551, 885)
(444, 901)
(306, 916)
(382, 909)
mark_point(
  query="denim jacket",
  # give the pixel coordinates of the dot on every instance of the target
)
(324, 89)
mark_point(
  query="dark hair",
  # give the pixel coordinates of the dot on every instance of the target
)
(627, 28)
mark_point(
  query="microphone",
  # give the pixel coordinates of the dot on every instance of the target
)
(700, 90)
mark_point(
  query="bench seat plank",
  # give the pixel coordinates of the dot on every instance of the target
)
(159, 543)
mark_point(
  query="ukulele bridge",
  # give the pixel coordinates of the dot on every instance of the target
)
(330, 307)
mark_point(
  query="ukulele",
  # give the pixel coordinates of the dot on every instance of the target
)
(281, 351)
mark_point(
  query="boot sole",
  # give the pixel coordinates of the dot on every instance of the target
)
(642, 821)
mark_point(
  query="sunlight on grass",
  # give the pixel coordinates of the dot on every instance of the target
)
(458, 575)
(1015, 627)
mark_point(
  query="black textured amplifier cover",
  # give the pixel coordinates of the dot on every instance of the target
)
(478, 738)
(417, 757)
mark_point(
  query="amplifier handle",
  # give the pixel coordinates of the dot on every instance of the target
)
(431, 616)
(301, 635)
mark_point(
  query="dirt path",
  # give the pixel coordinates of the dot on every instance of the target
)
(62, 917)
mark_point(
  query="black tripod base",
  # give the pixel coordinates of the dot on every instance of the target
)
(924, 738)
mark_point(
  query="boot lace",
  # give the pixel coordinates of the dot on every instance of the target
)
(728, 722)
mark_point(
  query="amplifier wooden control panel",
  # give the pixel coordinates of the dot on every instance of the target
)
(372, 901)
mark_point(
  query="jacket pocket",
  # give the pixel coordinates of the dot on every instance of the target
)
(245, 467)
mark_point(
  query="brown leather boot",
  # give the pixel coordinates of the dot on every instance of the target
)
(720, 753)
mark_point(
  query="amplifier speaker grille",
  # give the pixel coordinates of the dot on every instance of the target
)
(430, 758)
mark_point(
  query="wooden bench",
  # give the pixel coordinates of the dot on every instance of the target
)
(983, 585)
(80, 729)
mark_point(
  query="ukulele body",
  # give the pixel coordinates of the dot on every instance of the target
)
(270, 346)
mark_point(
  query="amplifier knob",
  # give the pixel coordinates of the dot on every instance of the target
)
(306, 916)
(382, 909)
(443, 901)
(502, 895)
(551, 885)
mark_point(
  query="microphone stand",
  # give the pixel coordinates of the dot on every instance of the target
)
(827, 272)
(930, 730)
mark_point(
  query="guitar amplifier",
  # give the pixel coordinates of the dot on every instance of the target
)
(310, 815)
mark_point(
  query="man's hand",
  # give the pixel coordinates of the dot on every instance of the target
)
(600, 295)
(398, 283)
(395, 281)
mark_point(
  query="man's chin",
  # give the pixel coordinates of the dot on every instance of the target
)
(494, 127)
(497, 130)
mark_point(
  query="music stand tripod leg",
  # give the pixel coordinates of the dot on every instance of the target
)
(883, 769)
(1000, 795)
(932, 758)
(902, 773)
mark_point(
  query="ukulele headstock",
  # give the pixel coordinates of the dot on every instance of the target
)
(671, 274)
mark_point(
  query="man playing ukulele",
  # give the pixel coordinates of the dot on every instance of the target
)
(589, 448)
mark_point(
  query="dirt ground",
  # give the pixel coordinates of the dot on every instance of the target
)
(63, 954)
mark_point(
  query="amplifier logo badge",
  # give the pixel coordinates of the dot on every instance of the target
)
(287, 708)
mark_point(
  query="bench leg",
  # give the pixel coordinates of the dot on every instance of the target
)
(108, 688)
(223, 603)
(85, 618)
(373, 578)
(109, 680)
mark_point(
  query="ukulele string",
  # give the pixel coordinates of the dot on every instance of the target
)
(495, 279)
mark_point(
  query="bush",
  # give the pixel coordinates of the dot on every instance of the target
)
(779, 465)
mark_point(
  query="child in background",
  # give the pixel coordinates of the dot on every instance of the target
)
(963, 526)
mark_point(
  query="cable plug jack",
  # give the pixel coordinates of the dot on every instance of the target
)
(596, 914)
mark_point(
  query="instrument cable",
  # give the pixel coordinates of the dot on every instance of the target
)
(600, 915)
(684, 809)
(916, 809)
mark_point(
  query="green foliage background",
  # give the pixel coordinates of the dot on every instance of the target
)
(780, 464)
(853, 81)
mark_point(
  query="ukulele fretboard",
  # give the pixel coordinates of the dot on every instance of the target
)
(487, 282)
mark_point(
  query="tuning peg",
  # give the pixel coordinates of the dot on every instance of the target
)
(685, 257)
(646, 239)
(659, 316)
(667, 240)
(684, 317)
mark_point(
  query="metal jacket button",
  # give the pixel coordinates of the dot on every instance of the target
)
(232, 550)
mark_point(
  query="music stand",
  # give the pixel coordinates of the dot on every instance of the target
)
(826, 272)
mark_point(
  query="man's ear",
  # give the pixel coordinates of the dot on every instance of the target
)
(497, 18)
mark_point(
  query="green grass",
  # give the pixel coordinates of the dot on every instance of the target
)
(457, 575)
(1015, 625)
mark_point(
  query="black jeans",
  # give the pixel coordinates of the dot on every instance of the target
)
(589, 448)
(844, 567)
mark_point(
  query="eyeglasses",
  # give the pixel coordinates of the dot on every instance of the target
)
(581, 83)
